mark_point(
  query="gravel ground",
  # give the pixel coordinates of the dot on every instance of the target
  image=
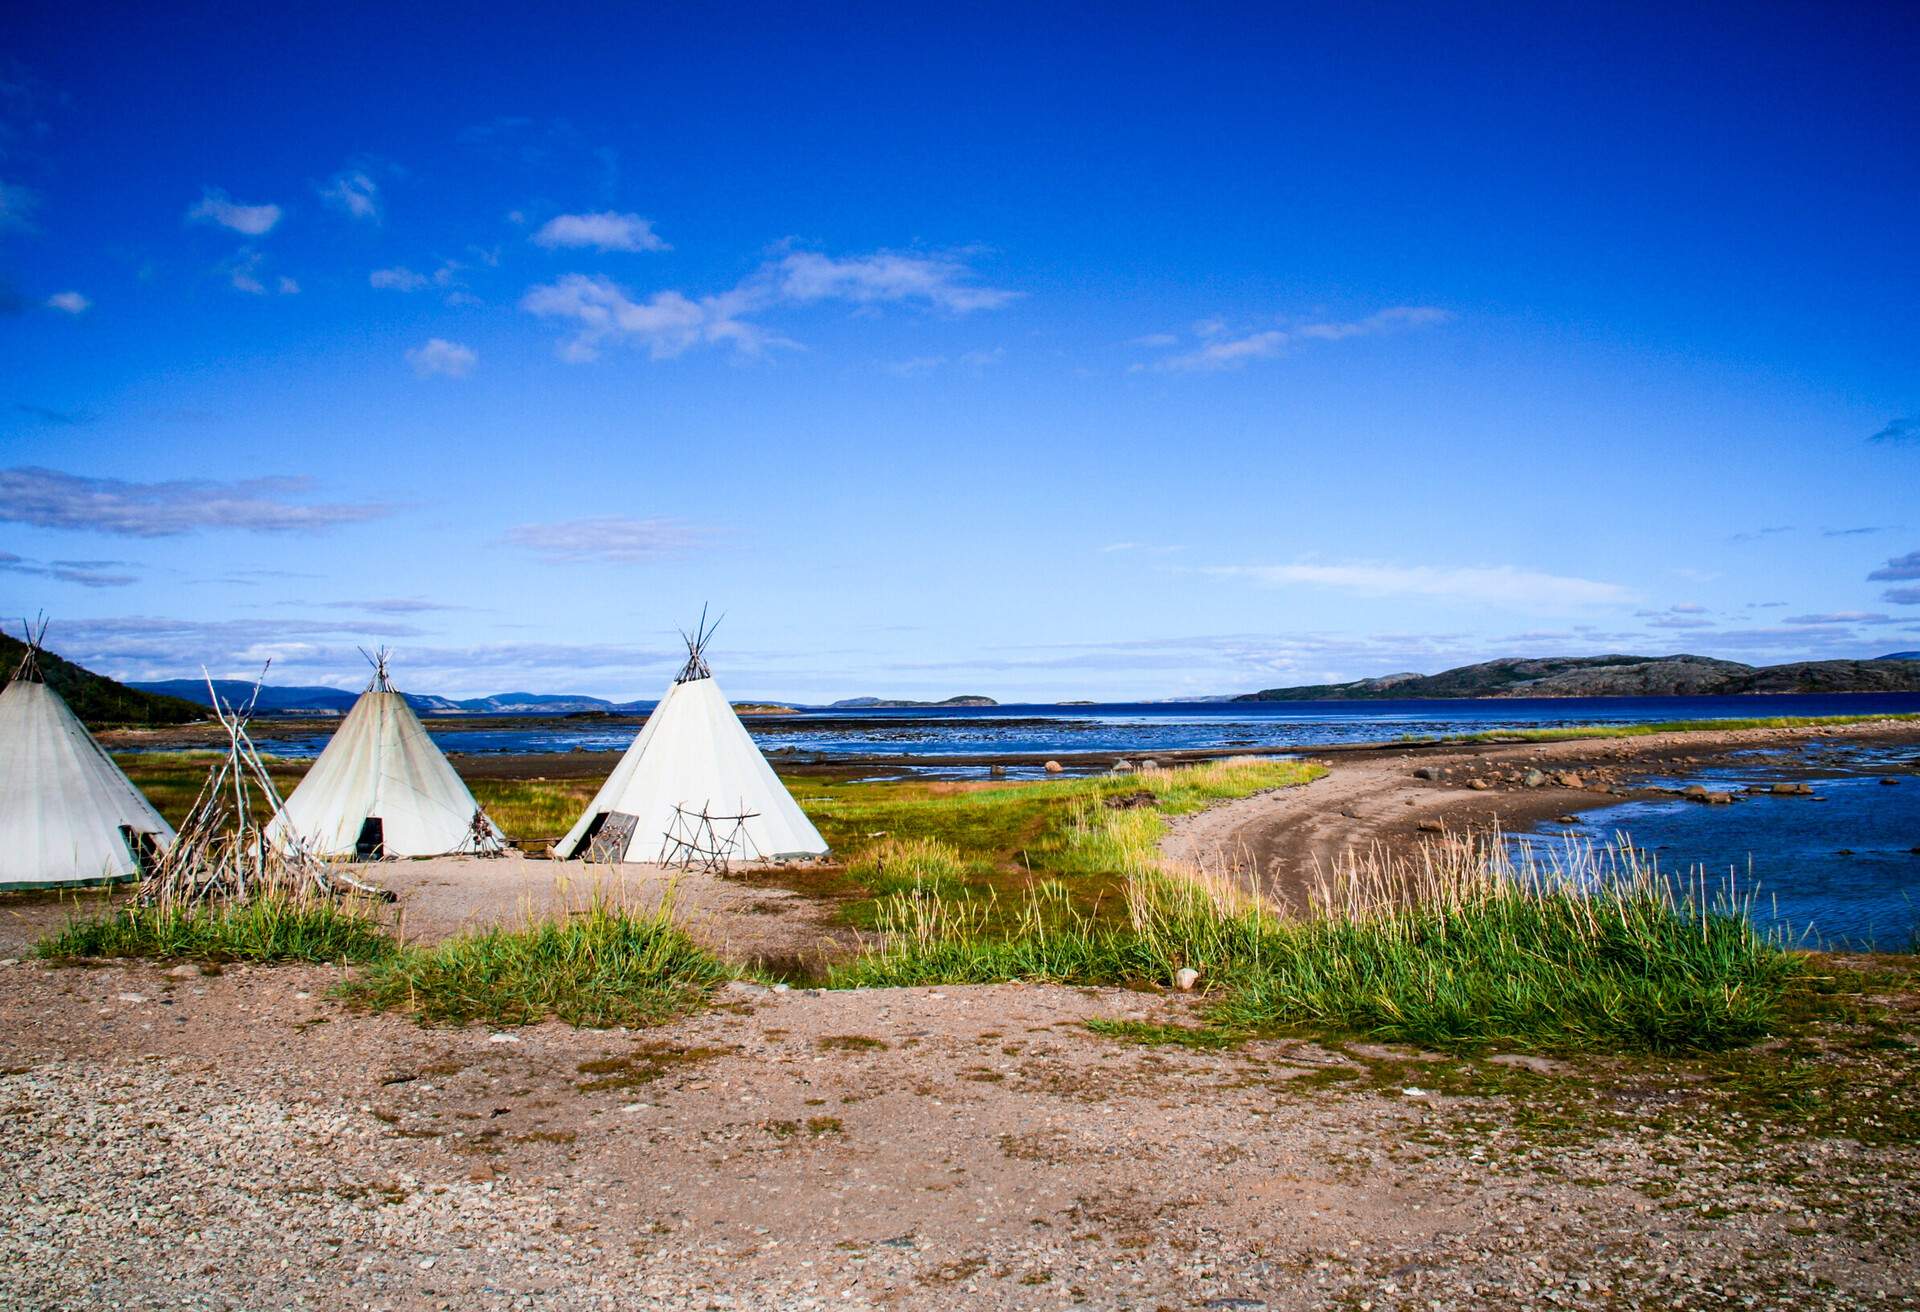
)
(176, 1140)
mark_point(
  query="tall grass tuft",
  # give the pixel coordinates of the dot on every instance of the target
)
(271, 927)
(605, 965)
(1465, 946)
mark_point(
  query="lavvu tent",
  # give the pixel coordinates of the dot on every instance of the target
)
(67, 813)
(693, 786)
(382, 787)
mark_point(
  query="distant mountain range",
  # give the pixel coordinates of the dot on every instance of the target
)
(335, 701)
(1618, 676)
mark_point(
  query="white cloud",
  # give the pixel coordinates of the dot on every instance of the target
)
(353, 193)
(613, 538)
(1496, 584)
(253, 220)
(1221, 351)
(399, 279)
(48, 498)
(444, 358)
(666, 323)
(245, 273)
(71, 302)
(606, 231)
(942, 281)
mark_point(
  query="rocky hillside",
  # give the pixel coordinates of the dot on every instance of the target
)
(1615, 676)
(96, 699)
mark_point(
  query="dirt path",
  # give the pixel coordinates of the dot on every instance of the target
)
(169, 1140)
(745, 917)
(1373, 796)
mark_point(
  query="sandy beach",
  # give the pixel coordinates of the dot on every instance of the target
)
(1385, 795)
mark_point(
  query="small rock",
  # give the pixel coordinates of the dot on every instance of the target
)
(1533, 779)
(133, 998)
(1053, 767)
(503, 1038)
(1479, 785)
(1431, 827)
(184, 972)
(1889, 782)
(1123, 766)
(1151, 764)
(1569, 779)
(1566, 819)
(1185, 978)
(1427, 772)
(996, 772)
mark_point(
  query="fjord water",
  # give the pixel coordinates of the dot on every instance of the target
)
(1837, 869)
(1143, 728)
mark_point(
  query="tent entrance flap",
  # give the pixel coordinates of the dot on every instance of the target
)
(609, 835)
(142, 846)
(372, 843)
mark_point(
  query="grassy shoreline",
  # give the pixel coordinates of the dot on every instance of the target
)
(1062, 881)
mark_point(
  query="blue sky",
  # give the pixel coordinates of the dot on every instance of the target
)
(1110, 353)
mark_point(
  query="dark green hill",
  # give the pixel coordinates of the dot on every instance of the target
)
(1615, 676)
(95, 698)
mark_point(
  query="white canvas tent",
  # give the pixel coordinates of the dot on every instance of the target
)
(382, 787)
(692, 787)
(67, 813)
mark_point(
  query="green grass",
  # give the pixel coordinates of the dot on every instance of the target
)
(990, 842)
(606, 965)
(1461, 952)
(1666, 726)
(534, 808)
(265, 929)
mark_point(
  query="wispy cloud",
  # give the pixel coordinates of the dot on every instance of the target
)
(1497, 584)
(968, 361)
(1219, 349)
(354, 193)
(668, 323)
(216, 207)
(86, 573)
(48, 415)
(69, 302)
(942, 281)
(1902, 596)
(1756, 534)
(393, 606)
(1898, 568)
(664, 325)
(1862, 531)
(606, 231)
(611, 538)
(245, 272)
(157, 647)
(1838, 617)
(17, 204)
(398, 279)
(48, 498)
(442, 358)
(1905, 429)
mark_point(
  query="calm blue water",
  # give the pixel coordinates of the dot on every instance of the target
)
(1833, 870)
(1141, 729)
